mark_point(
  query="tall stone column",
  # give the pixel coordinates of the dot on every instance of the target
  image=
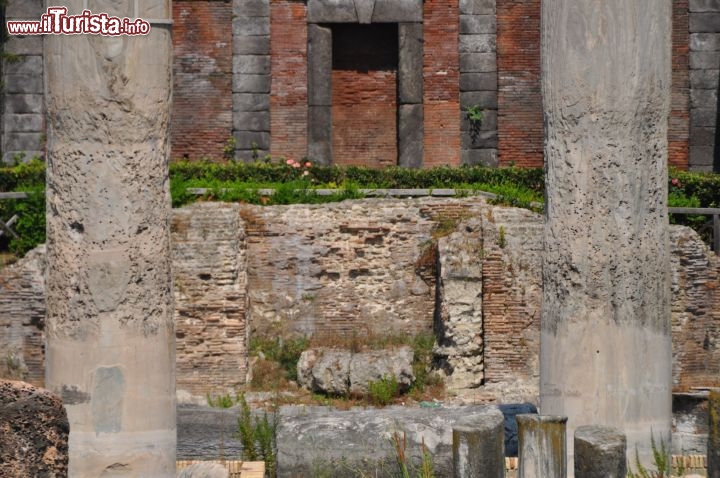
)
(110, 334)
(605, 337)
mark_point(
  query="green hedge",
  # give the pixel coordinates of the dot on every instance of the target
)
(441, 177)
(703, 186)
(24, 175)
(515, 186)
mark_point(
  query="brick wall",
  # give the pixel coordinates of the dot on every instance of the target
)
(520, 122)
(210, 286)
(288, 91)
(202, 78)
(679, 127)
(364, 95)
(364, 118)
(338, 269)
(441, 77)
(512, 293)
(695, 312)
(357, 267)
(22, 319)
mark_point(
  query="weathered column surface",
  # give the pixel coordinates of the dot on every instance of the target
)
(478, 446)
(110, 337)
(600, 452)
(542, 446)
(605, 341)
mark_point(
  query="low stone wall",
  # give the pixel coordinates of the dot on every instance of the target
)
(319, 441)
(371, 267)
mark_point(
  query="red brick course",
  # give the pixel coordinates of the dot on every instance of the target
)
(364, 117)
(441, 76)
(520, 122)
(202, 79)
(288, 93)
(365, 133)
(679, 127)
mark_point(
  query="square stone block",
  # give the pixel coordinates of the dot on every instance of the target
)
(484, 99)
(331, 11)
(251, 26)
(251, 8)
(471, 24)
(251, 64)
(251, 83)
(251, 102)
(251, 121)
(251, 45)
(706, 22)
(391, 11)
(320, 134)
(24, 103)
(705, 41)
(248, 139)
(479, 157)
(704, 60)
(478, 62)
(479, 43)
(477, 7)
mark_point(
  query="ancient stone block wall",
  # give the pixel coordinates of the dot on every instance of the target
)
(704, 84)
(202, 79)
(23, 104)
(251, 77)
(478, 81)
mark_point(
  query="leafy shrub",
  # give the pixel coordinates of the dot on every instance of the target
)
(28, 174)
(663, 463)
(257, 437)
(30, 226)
(285, 352)
(383, 391)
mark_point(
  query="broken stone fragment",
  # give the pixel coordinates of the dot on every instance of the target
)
(33, 432)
